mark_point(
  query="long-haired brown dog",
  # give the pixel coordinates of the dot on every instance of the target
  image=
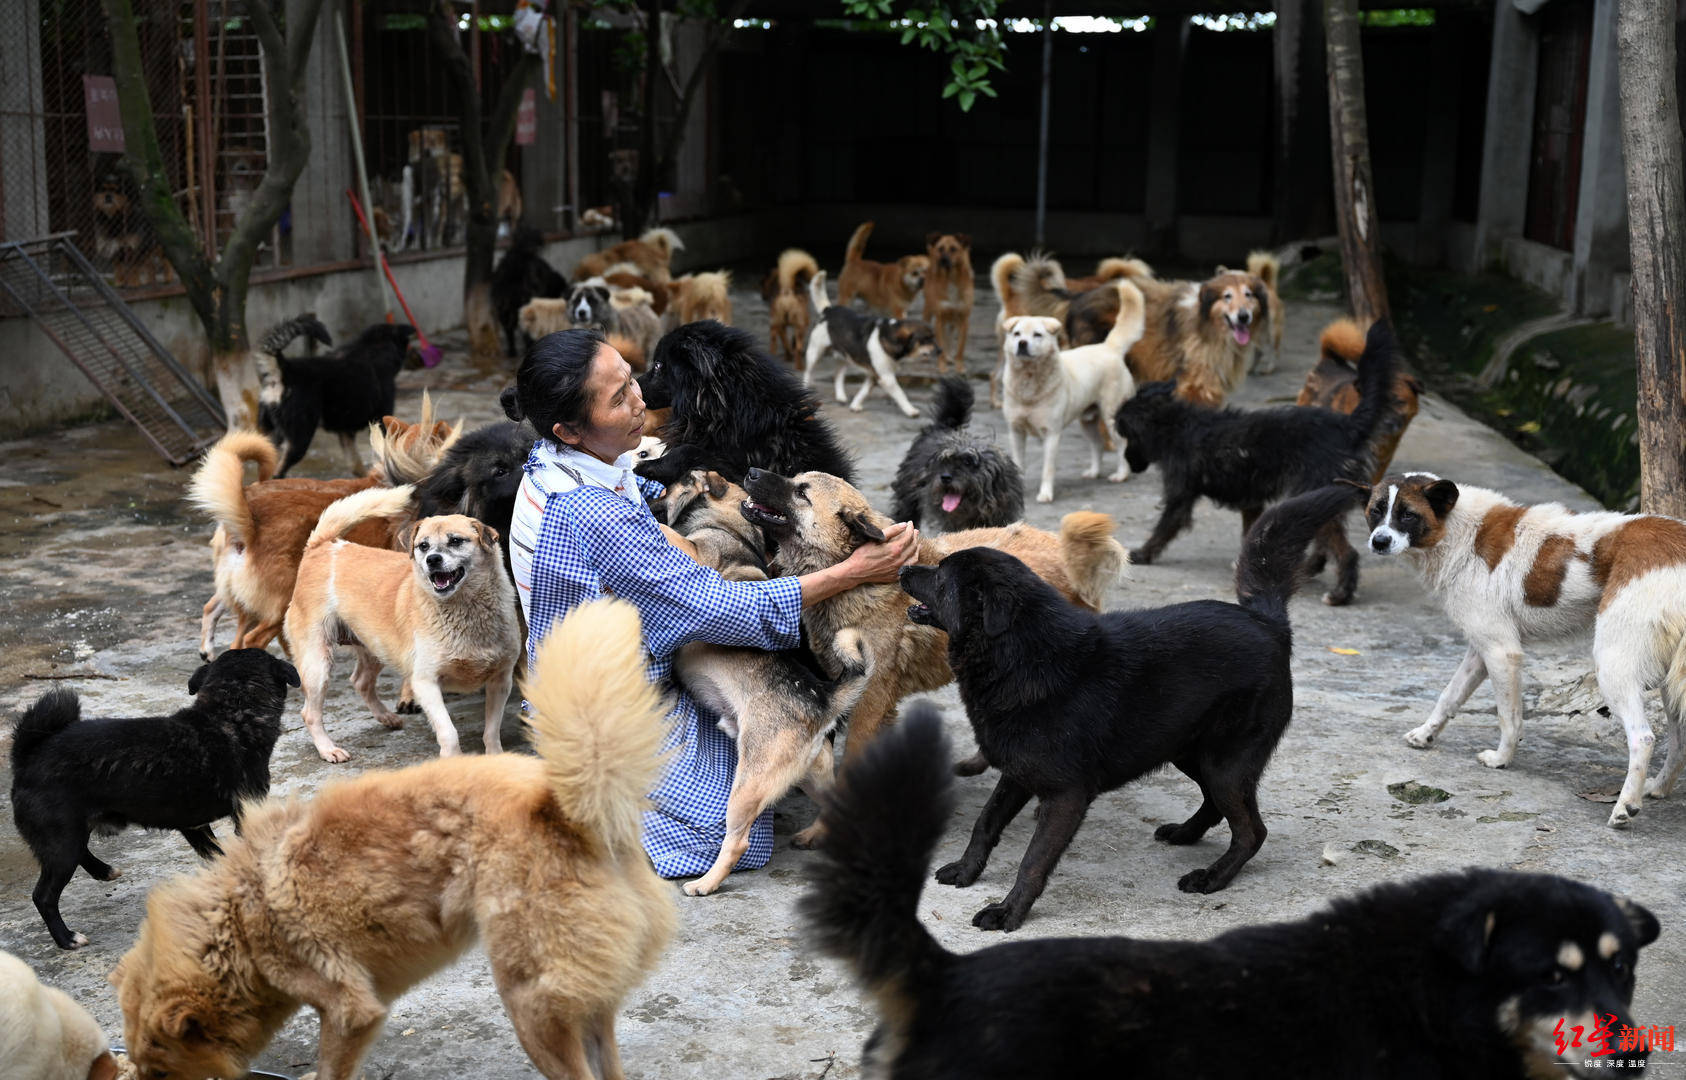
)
(887, 288)
(785, 288)
(345, 902)
(949, 295)
(695, 297)
(651, 253)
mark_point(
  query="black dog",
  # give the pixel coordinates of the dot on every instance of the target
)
(953, 478)
(1246, 459)
(521, 275)
(71, 777)
(1460, 975)
(343, 391)
(1068, 704)
(734, 408)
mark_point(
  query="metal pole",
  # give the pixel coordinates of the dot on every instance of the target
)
(1042, 138)
(357, 156)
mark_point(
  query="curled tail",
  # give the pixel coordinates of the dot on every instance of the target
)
(857, 243)
(663, 239)
(406, 453)
(1342, 342)
(51, 714)
(882, 823)
(341, 515)
(796, 268)
(1375, 383)
(1127, 329)
(307, 325)
(952, 403)
(1040, 286)
(816, 292)
(218, 488)
(598, 722)
(1268, 571)
(1001, 273)
(1134, 269)
(1094, 559)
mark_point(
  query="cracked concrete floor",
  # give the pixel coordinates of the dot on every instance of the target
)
(108, 569)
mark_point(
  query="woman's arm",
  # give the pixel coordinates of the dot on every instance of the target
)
(869, 563)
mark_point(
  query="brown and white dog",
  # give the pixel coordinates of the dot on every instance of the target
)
(887, 288)
(441, 612)
(651, 253)
(785, 289)
(1511, 575)
(949, 295)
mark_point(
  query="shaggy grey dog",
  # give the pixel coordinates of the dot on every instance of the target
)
(953, 478)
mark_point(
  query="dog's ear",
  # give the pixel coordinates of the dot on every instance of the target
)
(1442, 495)
(197, 679)
(288, 672)
(860, 528)
(965, 240)
(103, 1068)
(1209, 295)
(1053, 325)
(931, 239)
(1644, 923)
(180, 1020)
(1466, 929)
(716, 484)
(1000, 610)
(1008, 324)
(407, 536)
(487, 535)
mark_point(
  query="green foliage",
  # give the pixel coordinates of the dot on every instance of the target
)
(966, 31)
(1397, 17)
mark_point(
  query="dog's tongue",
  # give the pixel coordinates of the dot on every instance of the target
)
(951, 501)
(1242, 335)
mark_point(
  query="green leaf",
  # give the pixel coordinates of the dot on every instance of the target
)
(978, 70)
(950, 90)
(966, 99)
(915, 14)
(907, 35)
(985, 88)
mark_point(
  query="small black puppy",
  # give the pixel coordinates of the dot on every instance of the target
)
(953, 478)
(1459, 976)
(735, 408)
(521, 275)
(343, 391)
(1246, 459)
(1068, 704)
(71, 777)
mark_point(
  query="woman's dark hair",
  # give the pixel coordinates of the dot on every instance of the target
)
(550, 384)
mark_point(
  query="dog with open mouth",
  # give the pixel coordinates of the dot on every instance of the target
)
(441, 612)
(954, 478)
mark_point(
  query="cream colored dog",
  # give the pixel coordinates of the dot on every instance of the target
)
(442, 615)
(44, 1034)
(1047, 387)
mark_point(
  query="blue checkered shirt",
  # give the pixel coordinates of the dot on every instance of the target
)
(581, 531)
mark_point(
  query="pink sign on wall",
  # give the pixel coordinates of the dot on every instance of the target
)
(105, 119)
(527, 119)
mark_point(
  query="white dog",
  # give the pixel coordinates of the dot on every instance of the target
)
(1047, 388)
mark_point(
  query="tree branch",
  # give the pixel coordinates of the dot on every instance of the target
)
(301, 33)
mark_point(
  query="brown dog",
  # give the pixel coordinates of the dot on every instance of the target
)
(1333, 384)
(887, 288)
(784, 288)
(815, 520)
(651, 253)
(345, 902)
(441, 612)
(700, 296)
(949, 295)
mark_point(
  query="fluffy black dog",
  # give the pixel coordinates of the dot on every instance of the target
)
(1460, 975)
(1068, 704)
(953, 478)
(71, 776)
(479, 475)
(521, 275)
(1246, 459)
(735, 408)
(343, 391)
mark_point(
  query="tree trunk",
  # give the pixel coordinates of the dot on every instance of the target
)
(1656, 214)
(1349, 136)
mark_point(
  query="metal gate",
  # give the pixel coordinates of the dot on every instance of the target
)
(52, 282)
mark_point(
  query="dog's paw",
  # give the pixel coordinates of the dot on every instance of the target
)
(958, 874)
(77, 940)
(1120, 476)
(911, 414)
(1337, 599)
(1091, 472)
(1420, 737)
(700, 887)
(1176, 834)
(808, 838)
(333, 754)
(111, 874)
(1493, 759)
(1045, 496)
(1139, 557)
(1197, 881)
(998, 917)
(408, 707)
(857, 408)
(1622, 815)
(390, 720)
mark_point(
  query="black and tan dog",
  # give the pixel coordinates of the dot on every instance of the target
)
(1459, 976)
(867, 344)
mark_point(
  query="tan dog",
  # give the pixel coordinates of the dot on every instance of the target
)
(345, 902)
(700, 296)
(949, 295)
(544, 315)
(784, 289)
(706, 509)
(816, 520)
(441, 612)
(651, 253)
(626, 276)
(887, 288)
(44, 1034)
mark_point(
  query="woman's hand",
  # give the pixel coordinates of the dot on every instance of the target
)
(881, 561)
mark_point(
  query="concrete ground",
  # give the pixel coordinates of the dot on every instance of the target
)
(109, 569)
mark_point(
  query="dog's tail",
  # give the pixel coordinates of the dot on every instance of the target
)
(952, 403)
(218, 488)
(1040, 285)
(406, 453)
(55, 711)
(664, 240)
(1111, 269)
(1266, 266)
(857, 243)
(1001, 273)
(1094, 559)
(342, 515)
(882, 824)
(1268, 572)
(1375, 383)
(796, 269)
(1128, 328)
(816, 292)
(307, 325)
(598, 722)
(1342, 342)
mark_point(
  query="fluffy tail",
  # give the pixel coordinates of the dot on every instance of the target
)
(1132, 318)
(56, 710)
(1114, 268)
(1375, 383)
(796, 269)
(597, 721)
(1094, 559)
(1041, 287)
(1001, 273)
(816, 292)
(279, 337)
(340, 516)
(665, 239)
(218, 488)
(1268, 571)
(406, 453)
(882, 824)
(1342, 342)
(1266, 266)
(952, 403)
(857, 243)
